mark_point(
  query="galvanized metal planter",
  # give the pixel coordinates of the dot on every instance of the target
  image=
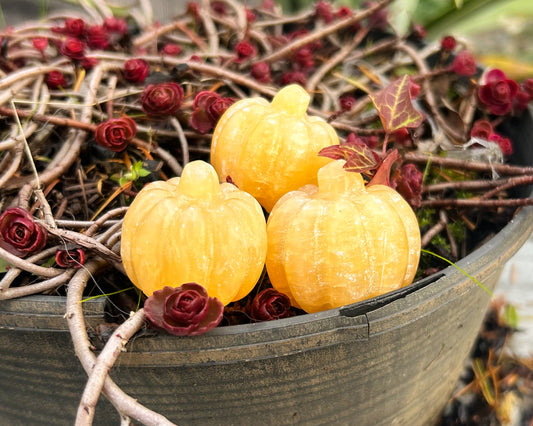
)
(392, 360)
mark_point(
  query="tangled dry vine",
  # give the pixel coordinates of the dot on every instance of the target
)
(69, 157)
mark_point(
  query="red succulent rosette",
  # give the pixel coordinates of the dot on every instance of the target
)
(270, 304)
(73, 27)
(40, 43)
(116, 25)
(162, 99)
(116, 133)
(448, 43)
(261, 72)
(73, 48)
(184, 311)
(55, 79)
(481, 129)
(464, 64)
(73, 258)
(244, 50)
(171, 49)
(407, 180)
(498, 92)
(208, 107)
(136, 70)
(97, 37)
(19, 233)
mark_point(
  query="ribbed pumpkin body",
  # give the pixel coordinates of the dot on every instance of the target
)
(193, 229)
(269, 149)
(341, 242)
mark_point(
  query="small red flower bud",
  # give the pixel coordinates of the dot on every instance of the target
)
(251, 17)
(40, 43)
(74, 27)
(116, 133)
(73, 48)
(323, 11)
(171, 49)
(97, 37)
(162, 99)
(346, 102)
(74, 258)
(116, 25)
(184, 311)
(304, 57)
(89, 63)
(244, 50)
(505, 144)
(464, 64)
(344, 12)
(55, 80)
(19, 233)
(208, 107)
(481, 129)
(498, 92)
(136, 70)
(448, 43)
(270, 304)
(261, 72)
(291, 77)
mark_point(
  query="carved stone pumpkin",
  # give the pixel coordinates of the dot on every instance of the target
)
(341, 242)
(269, 149)
(193, 229)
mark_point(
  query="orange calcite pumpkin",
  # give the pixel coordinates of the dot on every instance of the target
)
(193, 229)
(269, 149)
(341, 242)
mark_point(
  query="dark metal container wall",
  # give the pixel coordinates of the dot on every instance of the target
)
(392, 360)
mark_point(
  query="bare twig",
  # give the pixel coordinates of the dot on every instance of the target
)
(104, 363)
(125, 405)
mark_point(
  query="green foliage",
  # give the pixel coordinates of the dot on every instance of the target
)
(425, 217)
(3, 265)
(136, 171)
(510, 316)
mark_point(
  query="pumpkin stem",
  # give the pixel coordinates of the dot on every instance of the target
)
(199, 180)
(334, 179)
(293, 99)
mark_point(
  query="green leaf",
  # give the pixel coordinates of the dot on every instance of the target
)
(401, 15)
(466, 274)
(143, 172)
(510, 316)
(4, 266)
(394, 106)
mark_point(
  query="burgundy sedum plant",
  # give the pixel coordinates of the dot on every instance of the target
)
(116, 133)
(184, 311)
(163, 99)
(72, 258)
(269, 305)
(20, 234)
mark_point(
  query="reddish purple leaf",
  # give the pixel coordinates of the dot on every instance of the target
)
(359, 157)
(382, 176)
(395, 107)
